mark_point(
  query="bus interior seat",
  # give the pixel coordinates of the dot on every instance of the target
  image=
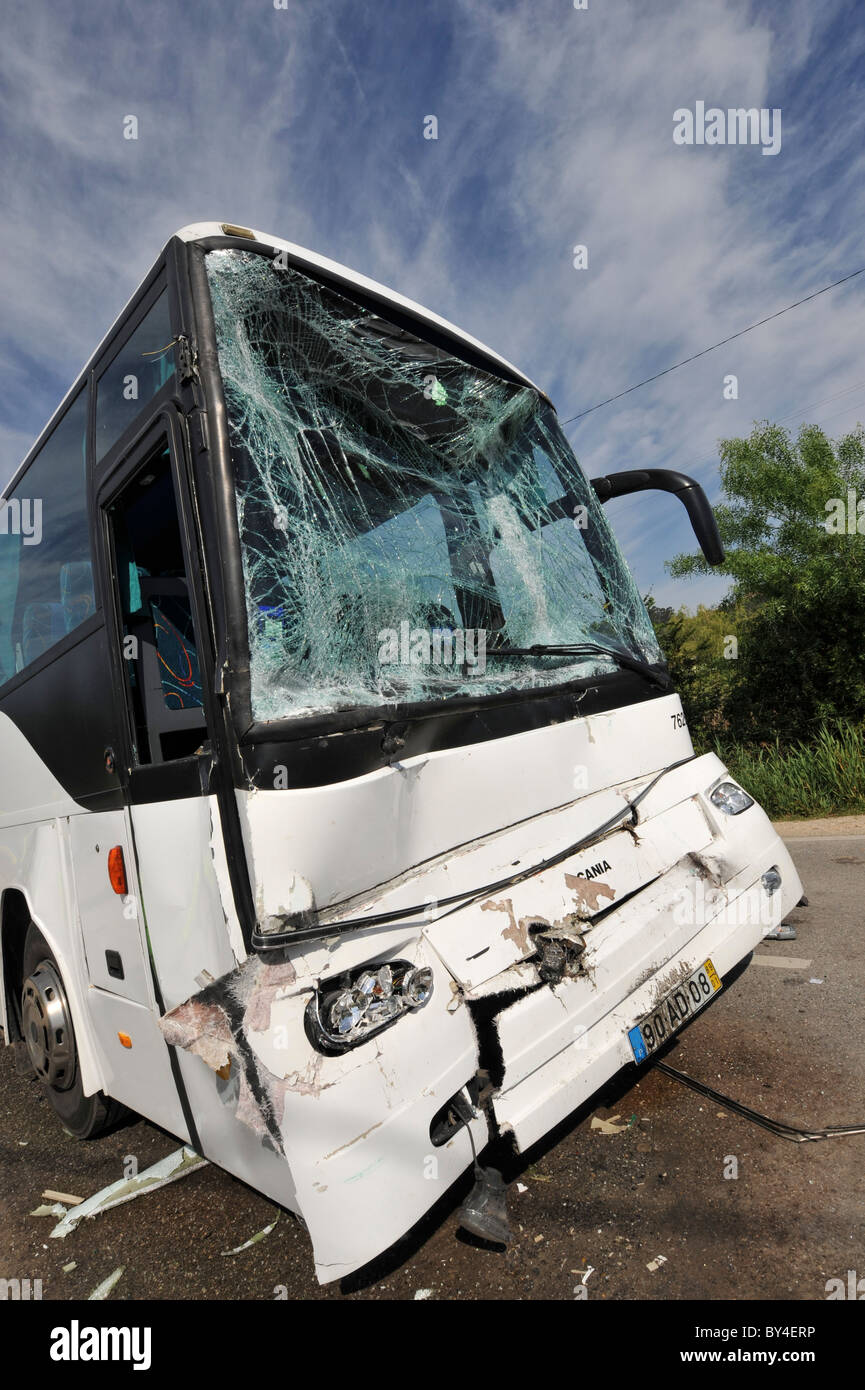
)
(178, 659)
(42, 625)
(76, 592)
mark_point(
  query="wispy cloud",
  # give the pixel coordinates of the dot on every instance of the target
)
(555, 128)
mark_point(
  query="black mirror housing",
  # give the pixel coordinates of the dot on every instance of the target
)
(688, 490)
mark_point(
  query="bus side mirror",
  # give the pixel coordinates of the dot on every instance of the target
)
(688, 491)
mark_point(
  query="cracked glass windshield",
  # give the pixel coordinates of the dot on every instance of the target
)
(403, 516)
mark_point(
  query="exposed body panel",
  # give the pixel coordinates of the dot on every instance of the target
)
(561, 1049)
(357, 1128)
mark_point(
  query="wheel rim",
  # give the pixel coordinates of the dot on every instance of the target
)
(47, 1027)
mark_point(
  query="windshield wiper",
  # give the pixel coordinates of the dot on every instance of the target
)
(631, 663)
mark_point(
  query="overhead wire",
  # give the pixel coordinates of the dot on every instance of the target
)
(714, 346)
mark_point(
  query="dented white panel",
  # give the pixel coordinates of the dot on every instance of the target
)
(560, 1046)
(187, 902)
(630, 945)
(356, 1127)
(334, 844)
(352, 1130)
(567, 896)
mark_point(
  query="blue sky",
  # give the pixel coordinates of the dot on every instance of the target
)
(554, 129)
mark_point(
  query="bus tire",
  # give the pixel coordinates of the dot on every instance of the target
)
(46, 1023)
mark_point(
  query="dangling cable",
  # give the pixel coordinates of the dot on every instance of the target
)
(778, 1127)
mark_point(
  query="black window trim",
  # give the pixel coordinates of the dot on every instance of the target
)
(164, 424)
(70, 400)
(155, 284)
(126, 323)
(120, 446)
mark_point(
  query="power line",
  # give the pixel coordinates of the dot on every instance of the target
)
(695, 355)
(802, 410)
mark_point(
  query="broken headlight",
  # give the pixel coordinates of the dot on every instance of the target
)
(730, 799)
(345, 1012)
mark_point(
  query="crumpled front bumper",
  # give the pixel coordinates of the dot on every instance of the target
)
(354, 1129)
(559, 1047)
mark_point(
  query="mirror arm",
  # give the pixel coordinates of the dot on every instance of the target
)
(688, 491)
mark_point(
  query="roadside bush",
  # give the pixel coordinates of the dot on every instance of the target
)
(825, 776)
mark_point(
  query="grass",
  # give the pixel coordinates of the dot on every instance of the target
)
(825, 777)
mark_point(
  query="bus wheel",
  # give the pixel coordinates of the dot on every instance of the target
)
(50, 1040)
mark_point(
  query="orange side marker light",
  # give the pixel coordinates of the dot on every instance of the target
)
(117, 870)
(125, 1040)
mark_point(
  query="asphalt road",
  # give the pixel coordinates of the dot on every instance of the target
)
(785, 1039)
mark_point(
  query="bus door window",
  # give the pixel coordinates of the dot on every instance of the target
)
(160, 645)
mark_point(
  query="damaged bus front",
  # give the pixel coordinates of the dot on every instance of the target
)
(350, 821)
(487, 869)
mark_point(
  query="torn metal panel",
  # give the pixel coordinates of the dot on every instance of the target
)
(203, 1029)
(358, 1140)
(516, 979)
(559, 1044)
(560, 955)
(712, 867)
(422, 501)
(622, 953)
(214, 1025)
(570, 1065)
(353, 1128)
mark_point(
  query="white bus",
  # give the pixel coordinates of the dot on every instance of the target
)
(349, 822)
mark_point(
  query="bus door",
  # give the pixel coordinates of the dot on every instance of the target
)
(177, 881)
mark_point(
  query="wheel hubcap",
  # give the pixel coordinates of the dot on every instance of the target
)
(47, 1027)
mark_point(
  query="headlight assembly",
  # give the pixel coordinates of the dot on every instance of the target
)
(345, 1012)
(730, 799)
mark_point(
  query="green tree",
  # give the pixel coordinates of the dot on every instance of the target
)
(795, 542)
(700, 658)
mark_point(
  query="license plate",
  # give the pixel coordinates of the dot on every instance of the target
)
(679, 1005)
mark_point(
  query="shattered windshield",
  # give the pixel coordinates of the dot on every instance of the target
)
(403, 515)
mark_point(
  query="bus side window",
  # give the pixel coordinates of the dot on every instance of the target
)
(46, 573)
(160, 645)
(140, 369)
